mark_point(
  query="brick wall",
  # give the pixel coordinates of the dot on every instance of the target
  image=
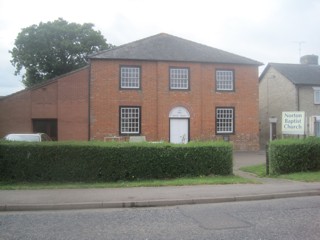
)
(64, 98)
(156, 100)
(73, 106)
(15, 113)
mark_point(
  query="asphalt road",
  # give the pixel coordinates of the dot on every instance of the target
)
(291, 218)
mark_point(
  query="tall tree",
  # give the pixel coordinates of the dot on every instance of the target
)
(50, 49)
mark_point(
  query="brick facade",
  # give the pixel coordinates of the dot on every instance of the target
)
(86, 103)
(157, 100)
(64, 99)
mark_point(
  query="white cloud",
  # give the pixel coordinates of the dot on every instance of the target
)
(265, 30)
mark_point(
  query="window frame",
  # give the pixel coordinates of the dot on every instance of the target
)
(316, 95)
(188, 80)
(233, 121)
(233, 80)
(123, 133)
(121, 87)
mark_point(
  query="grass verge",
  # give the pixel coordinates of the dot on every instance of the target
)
(260, 171)
(210, 180)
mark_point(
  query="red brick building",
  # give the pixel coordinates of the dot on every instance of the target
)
(162, 87)
(58, 107)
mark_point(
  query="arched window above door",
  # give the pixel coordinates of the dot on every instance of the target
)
(179, 112)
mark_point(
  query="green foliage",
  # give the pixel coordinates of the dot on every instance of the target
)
(54, 48)
(99, 161)
(259, 170)
(302, 176)
(294, 155)
(201, 180)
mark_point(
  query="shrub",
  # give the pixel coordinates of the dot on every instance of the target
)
(294, 155)
(100, 161)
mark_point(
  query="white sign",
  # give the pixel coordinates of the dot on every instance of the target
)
(293, 123)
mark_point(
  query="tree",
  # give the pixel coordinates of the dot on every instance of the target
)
(50, 49)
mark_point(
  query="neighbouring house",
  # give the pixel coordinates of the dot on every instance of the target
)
(290, 87)
(161, 88)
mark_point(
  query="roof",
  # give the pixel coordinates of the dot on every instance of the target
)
(165, 47)
(46, 82)
(299, 74)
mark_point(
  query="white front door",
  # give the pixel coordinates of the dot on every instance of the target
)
(179, 130)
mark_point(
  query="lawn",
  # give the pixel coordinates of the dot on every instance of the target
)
(260, 171)
(202, 180)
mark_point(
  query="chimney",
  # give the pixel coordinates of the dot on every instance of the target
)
(309, 60)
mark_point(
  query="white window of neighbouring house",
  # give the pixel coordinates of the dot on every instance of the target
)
(179, 79)
(225, 80)
(130, 120)
(224, 120)
(316, 95)
(317, 126)
(130, 77)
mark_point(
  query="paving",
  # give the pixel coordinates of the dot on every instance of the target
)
(63, 199)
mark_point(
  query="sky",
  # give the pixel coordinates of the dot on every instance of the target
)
(264, 30)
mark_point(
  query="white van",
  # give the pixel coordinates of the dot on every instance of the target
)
(28, 137)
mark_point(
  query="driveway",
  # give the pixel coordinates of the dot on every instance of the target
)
(243, 159)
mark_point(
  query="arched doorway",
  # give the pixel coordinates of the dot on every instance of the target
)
(179, 118)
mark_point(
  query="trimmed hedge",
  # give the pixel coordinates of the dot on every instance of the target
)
(294, 155)
(99, 161)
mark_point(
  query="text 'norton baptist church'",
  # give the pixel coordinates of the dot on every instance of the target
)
(293, 122)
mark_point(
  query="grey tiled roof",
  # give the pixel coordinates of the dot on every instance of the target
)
(299, 73)
(165, 47)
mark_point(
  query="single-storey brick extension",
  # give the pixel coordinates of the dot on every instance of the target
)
(163, 88)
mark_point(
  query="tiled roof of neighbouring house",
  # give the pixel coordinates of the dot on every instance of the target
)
(165, 47)
(298, 73)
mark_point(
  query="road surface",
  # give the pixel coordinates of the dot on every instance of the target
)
(291, 218)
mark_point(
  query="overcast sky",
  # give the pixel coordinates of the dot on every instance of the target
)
(263, 30)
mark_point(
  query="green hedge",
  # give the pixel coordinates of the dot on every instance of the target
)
(99, 161)
(294, 155)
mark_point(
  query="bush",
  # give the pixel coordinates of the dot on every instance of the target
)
(294, 155)
(99, 161)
